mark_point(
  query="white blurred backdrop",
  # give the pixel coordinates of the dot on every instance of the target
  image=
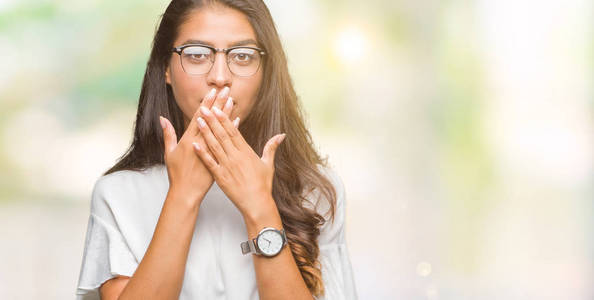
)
(463, 131)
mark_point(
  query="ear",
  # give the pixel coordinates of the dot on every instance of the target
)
(167, 78)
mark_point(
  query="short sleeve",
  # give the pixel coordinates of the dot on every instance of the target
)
(334, 257)
(106, 252)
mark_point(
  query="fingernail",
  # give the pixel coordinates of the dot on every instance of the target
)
(204, 111)
(224, 93)
(282, 138)
(229, 103)
(196, 146)
(236, 122)
(217, 111)
(163, 123)
(201, 122)
(211, 93)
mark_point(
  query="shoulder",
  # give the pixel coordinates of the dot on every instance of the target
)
(123, 176)
(332, 231)
(125, 179)
(332, 175)
(124, 187)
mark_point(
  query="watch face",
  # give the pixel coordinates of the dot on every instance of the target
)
(270, 242)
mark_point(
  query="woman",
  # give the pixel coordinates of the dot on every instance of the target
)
(208, 177)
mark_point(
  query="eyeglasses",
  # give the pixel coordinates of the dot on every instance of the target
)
(197, 59)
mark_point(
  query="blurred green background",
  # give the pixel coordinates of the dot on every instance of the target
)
(463, 131)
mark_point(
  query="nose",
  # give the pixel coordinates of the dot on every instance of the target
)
(219, 75)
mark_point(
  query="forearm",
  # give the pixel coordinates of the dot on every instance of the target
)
(161, 272)
(278, 277)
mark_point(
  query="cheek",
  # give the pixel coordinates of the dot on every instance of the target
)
(186, 91)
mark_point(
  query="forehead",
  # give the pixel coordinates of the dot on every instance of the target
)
(218, 25)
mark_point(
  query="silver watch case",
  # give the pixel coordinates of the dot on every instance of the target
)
(251, 246)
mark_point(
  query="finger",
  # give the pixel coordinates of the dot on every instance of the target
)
(202, 143)
(231, 131)
(169, 137)
(211, 141)
(193, 129)
(206, 101)
(228, 109)
(206, 158)
(217, 129)
(221, 98)
(209, 98)
(270, 148)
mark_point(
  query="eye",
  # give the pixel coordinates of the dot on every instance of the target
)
(197, 54)
(243, 56)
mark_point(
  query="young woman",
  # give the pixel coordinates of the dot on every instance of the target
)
(221, 194)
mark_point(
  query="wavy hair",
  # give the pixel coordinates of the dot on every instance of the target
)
(277, 109)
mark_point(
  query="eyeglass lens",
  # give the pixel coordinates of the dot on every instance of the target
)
(198, 60)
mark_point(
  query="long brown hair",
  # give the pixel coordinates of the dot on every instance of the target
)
(276, 110)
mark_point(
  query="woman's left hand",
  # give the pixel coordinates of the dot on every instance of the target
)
(243, 176)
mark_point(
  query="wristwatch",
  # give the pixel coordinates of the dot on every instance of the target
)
(269, 242)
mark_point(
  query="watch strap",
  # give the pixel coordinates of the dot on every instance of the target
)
(249, 246)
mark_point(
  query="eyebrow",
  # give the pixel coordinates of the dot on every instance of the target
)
(235, 44)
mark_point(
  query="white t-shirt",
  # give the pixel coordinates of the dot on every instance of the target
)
(125, 208)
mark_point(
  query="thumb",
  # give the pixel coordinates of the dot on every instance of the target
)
(169, 137)
(270, 148)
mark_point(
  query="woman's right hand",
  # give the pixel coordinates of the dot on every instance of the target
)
(188, 176)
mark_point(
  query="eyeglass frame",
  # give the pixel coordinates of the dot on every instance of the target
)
(180, 49)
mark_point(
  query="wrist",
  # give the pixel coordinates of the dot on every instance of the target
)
(265, 215)
(191, 198)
